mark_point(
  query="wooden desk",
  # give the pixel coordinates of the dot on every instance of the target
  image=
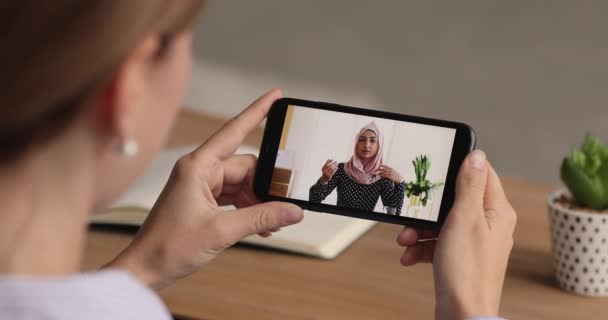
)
(365, 282)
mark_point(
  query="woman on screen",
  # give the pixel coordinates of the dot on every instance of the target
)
(364, 178)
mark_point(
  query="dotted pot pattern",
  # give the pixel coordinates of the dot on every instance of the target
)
(580, 248)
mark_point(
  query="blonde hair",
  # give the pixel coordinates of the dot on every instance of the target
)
(56, 54)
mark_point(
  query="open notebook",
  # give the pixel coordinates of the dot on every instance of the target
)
(320, 235)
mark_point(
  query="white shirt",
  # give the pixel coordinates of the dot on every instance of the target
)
(109, 294)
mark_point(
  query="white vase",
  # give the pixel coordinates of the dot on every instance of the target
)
(580, 248)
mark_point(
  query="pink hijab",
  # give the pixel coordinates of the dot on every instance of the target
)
(354, 167)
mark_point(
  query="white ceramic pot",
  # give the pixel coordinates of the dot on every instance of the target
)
(580, 248)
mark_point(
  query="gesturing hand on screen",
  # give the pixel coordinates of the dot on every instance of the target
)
(470, 256)
(186, 228)
(328, 170)
(390, 173)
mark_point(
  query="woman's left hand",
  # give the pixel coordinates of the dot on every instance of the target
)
(389, 173)
(186, 228)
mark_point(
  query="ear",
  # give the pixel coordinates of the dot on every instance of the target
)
(122, 96)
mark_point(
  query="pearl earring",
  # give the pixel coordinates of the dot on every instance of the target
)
(128, 147)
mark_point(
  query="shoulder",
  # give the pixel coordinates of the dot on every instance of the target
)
(386, 182)
(108, 294)
(340, 172)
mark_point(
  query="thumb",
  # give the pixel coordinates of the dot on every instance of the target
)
(238, 224)
(471, 181)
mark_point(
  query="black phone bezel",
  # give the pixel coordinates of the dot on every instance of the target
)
(464, 142)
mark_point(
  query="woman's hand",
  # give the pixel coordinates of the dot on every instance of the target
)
(186, 228)
(328, 170)
(389, 173)
(470, 257)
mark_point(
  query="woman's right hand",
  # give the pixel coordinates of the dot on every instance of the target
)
(328, 170)
(471, 254)
(186, 228)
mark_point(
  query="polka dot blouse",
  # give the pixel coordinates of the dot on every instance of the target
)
(352, 194)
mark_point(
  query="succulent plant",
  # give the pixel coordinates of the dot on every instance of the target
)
(585, 173)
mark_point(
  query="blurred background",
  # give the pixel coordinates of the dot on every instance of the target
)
(530, 76)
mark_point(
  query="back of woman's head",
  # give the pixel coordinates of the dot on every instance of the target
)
(57, 54)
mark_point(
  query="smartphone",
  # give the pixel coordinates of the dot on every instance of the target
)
(361, 163)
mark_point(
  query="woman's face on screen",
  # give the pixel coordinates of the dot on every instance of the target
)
(367, 145)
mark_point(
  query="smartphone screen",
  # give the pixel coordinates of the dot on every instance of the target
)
(363, 165)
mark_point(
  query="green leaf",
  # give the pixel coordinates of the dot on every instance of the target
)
(593, 146)
(424, 198)
(579, 159)
(602, 174)
(589, 191)
(595, 153)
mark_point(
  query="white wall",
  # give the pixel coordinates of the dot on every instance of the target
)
(316, 136)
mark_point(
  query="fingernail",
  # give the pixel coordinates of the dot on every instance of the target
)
(292, 215)
(478, 159)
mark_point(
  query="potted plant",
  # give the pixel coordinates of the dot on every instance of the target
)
(419, 191)
(579, 221)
